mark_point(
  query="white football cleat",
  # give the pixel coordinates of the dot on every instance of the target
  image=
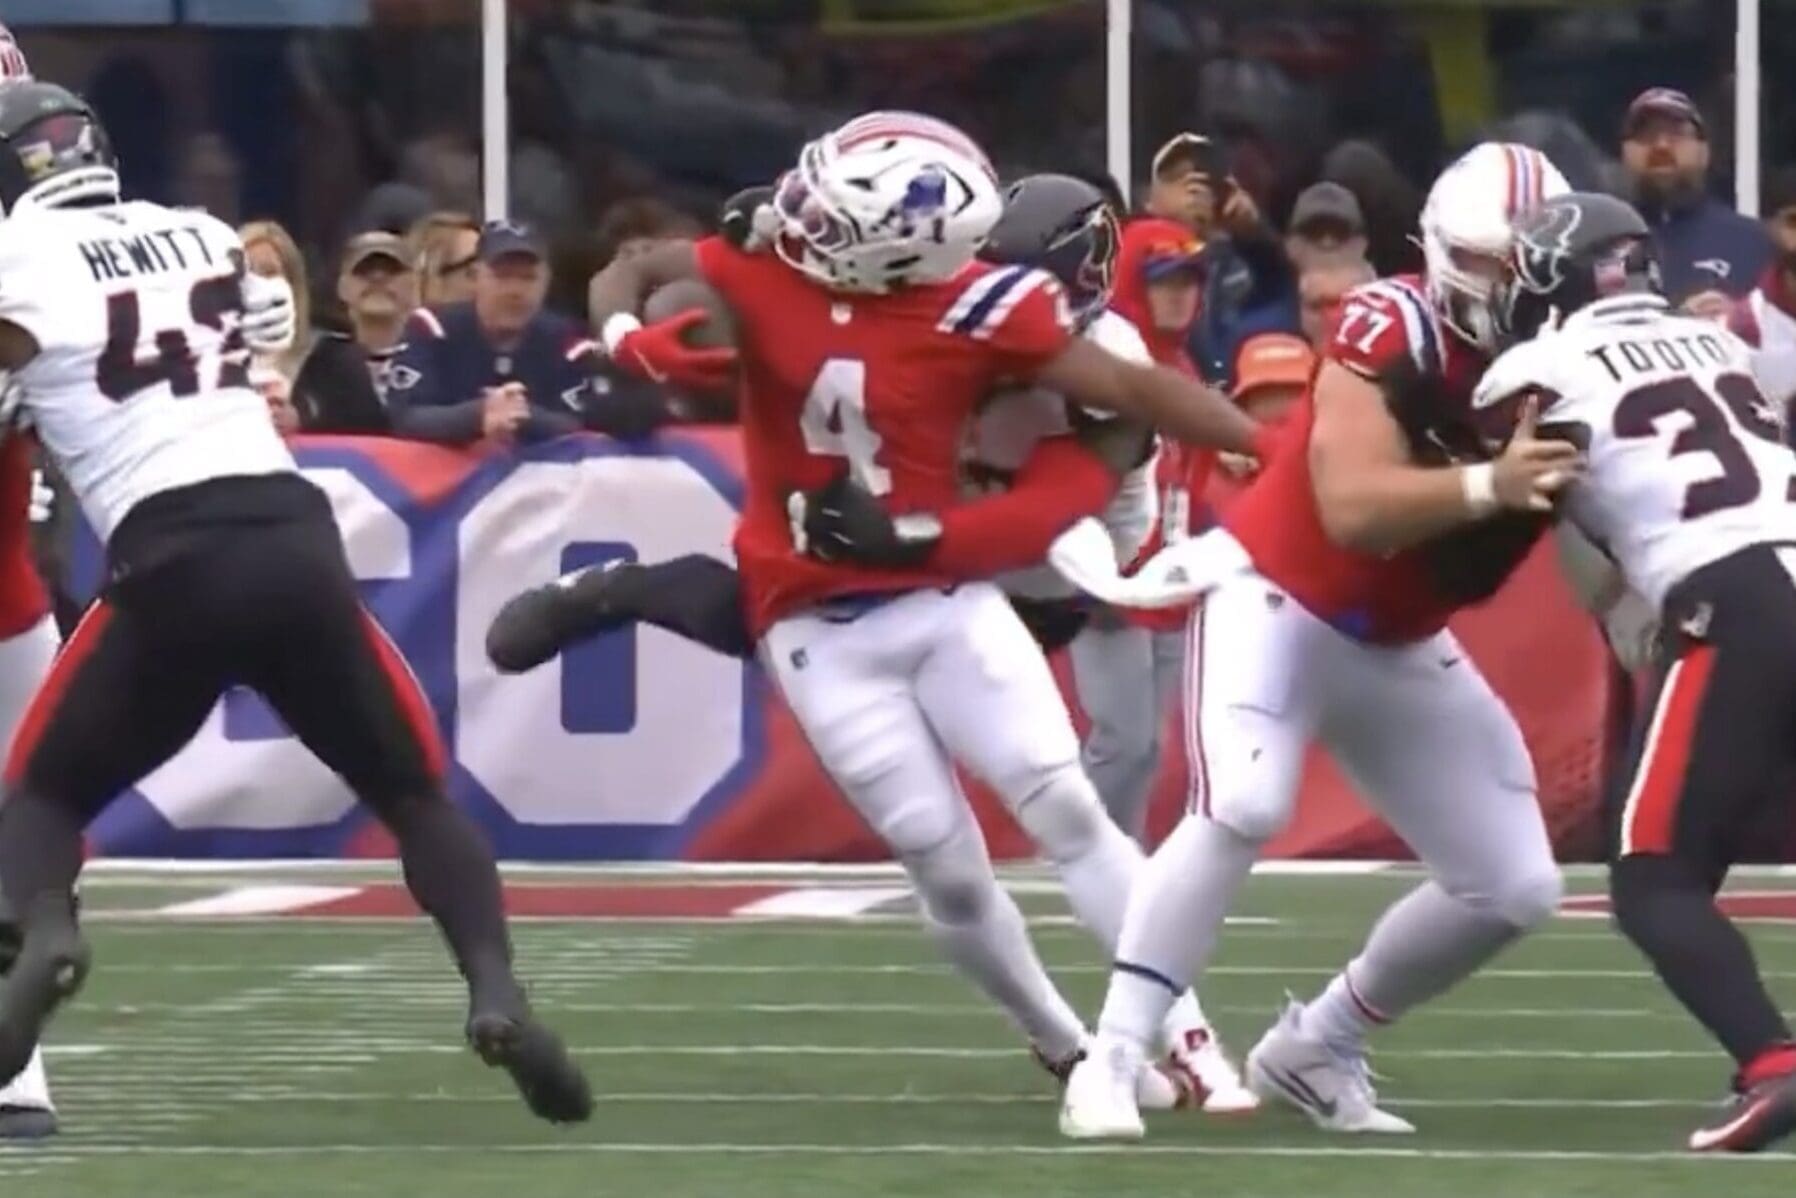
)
(1213, 1081)
(1333, 1087)
(1100, 1102)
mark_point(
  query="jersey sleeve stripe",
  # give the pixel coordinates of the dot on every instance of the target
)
(968, 300)
(1418, 323)
(990, 293)
(581, 348)
(1006, 300)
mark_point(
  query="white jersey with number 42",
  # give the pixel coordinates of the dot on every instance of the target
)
(141, 381)
(1686, 461)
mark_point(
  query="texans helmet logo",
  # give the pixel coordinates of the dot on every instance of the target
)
(1543, 245)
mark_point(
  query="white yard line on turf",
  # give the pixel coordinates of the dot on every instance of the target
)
(591, 1148)
(94, 1097)
(602, 969)
(447, 992)
(350, 1049)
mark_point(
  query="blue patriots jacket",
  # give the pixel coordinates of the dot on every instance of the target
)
(446, 361)
(1708, 247)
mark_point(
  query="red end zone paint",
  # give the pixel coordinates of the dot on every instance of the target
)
(1745, 904)
(389, 901)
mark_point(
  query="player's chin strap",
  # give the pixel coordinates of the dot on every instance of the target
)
(1085, 556)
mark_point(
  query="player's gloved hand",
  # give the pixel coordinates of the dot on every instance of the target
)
(269, 321)
(748, 220)
(1527, 476)
(659, 353)
(843, 522)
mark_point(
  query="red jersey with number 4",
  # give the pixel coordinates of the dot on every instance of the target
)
(1388, 333)
(880, 385)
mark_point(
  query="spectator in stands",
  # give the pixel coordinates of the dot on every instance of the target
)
(443, 247)
(500, 367)
(1326, 224)
(1248, 285)
(379, 289)
(1710, 253)
(1271, 375)
(1766, 318)
(322, 384)
(1391, 203)
(1320, 289)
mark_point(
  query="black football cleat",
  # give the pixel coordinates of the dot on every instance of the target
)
(22, 1124)
(1753, 1120)
(537, 624)
(551, 1083)
(50, 969)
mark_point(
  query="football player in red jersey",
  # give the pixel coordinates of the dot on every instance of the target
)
(1329, 621)
(868, 338)
(27, 643)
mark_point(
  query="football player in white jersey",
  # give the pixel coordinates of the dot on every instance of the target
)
(1690, 488)
(123, 325)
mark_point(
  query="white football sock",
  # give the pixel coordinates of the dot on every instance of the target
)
(993, 950)
(978, 927)
(31, 1088)
(1174, 918)
(1425, 944)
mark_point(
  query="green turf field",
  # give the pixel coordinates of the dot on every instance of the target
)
(743, 1059)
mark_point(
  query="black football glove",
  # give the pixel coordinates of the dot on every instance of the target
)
(626, 408)
(747, 220)
(843, 522)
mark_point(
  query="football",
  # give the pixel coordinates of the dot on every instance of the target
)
(717, 330)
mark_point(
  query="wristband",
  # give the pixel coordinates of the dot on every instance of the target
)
(617, 326)
(1479, 483)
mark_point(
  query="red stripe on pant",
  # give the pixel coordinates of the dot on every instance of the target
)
(413, 706)
(1649, 820)
(69, 659)
(1194, 712)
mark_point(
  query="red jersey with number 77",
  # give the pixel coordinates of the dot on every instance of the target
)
(883, 386)
(1388, 333)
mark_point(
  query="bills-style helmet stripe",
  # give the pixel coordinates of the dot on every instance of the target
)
(1527, 175)
(13, 67)
(879, 126)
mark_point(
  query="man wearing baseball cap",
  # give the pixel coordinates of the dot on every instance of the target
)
(500, 367)
(1327, 223)
(1248, 282)
(1710, 253)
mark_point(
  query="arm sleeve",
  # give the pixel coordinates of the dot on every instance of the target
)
(1060, 482)
(418, 398)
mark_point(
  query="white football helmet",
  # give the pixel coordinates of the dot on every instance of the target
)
(888, 200)
(1466, 222)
